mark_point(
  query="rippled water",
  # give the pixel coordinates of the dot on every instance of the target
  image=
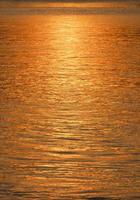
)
(69, 105)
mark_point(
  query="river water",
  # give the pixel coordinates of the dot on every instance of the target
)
(69, 101)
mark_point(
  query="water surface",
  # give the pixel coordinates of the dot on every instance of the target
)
(69, 104)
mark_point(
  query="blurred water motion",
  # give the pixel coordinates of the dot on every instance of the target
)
(69, 107)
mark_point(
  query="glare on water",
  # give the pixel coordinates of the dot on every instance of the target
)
(69, 106)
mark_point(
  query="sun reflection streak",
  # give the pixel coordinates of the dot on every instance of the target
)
(68, 126)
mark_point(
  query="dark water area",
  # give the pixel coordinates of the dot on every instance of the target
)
(69, 102)
(69, 8)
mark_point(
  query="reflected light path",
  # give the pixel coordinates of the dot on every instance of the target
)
(69, 124)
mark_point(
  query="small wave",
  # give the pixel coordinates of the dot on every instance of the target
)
(101, 198)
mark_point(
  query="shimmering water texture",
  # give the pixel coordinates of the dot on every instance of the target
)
(69, 106)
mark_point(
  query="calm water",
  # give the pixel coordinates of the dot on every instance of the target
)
(69, 102)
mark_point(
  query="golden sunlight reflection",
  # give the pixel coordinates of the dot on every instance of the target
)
(68, 118)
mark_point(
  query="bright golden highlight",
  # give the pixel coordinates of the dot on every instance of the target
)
(69, 98)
